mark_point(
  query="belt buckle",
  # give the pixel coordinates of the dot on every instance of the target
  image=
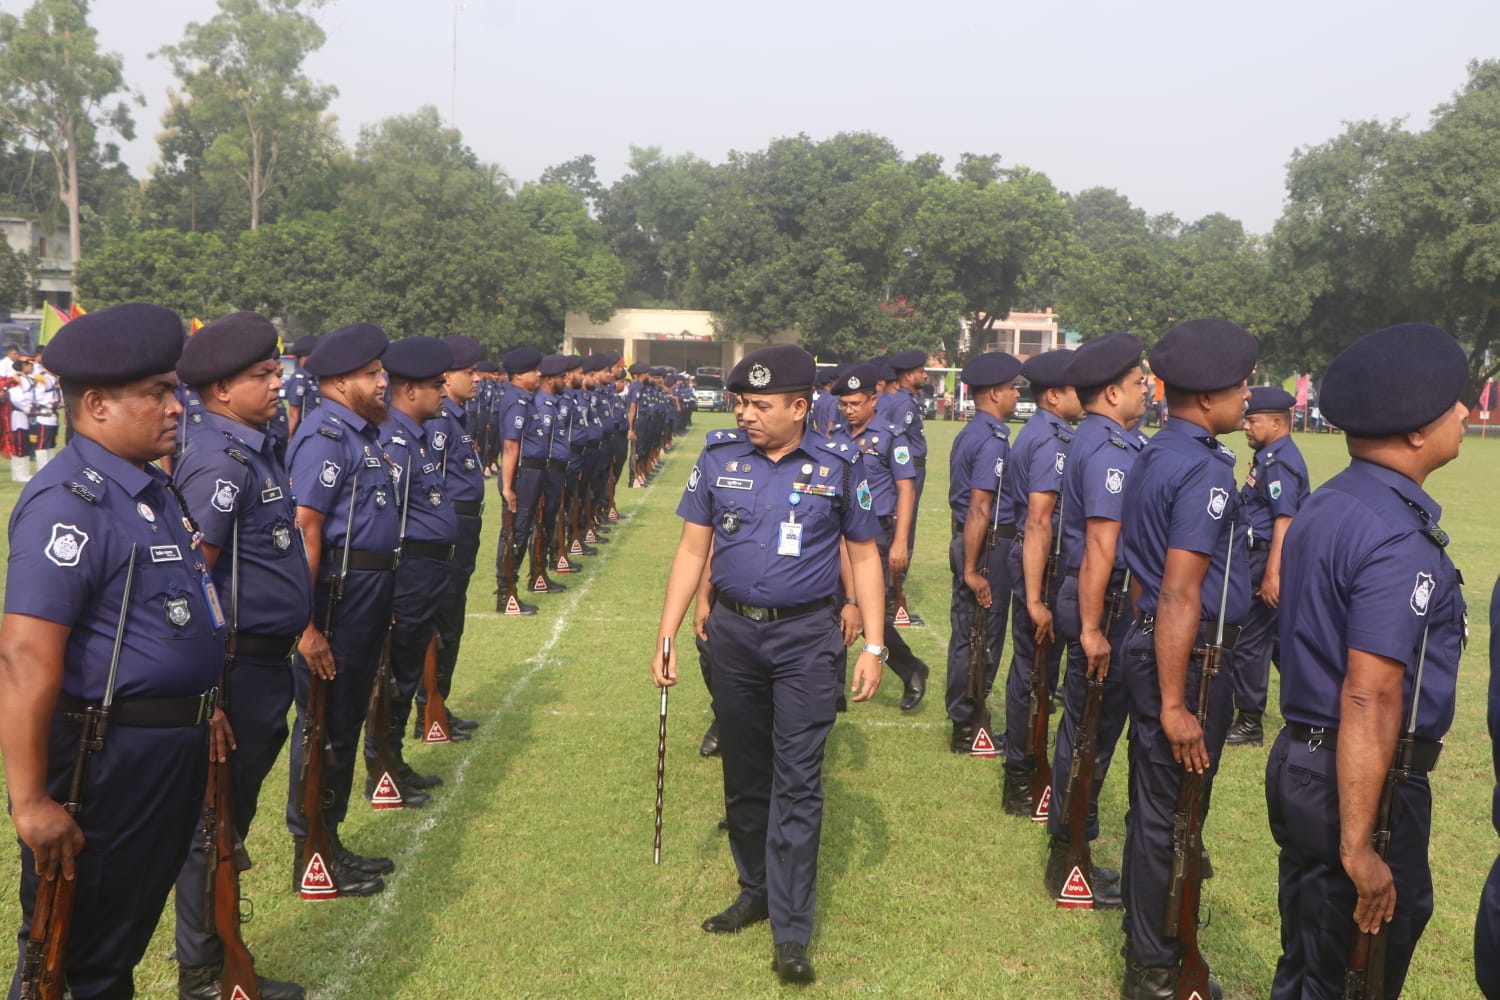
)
(757, 614)
(1315, 738)
(1148, 624)
(207, 702)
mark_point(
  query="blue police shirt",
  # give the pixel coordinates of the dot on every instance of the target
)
(888, 458)
(1182, 496)
(557, 419)
(902, 409)
(1098, 467)
(70, 538)
(746, 498)
(826, 414)
(1275, 486)
(333, 452)
(1360, 572)
(978, 461)
(301, 391)
(1036, 464)
(429, 516)
(231, 475)
(458, 459)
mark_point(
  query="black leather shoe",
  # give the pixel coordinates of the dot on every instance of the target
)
(724, 823)
(547, 586)
(411, 796)
(467, 725)
(456, 735)
(1016, 795)
(348, 881)
(1107, 897)
(1246, 731)
(406, 776)
(201, 982)
(916, 687)
(583, 549)
(842, 705)
(1104, 876)
(741, 914)
(790, 963)
(710, 745)
(522, 609)
(962, 740)
(369, 864)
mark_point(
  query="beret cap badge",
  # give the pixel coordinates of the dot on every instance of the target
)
(760, 376)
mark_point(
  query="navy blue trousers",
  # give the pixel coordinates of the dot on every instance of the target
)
(455, 603)
(961, 613)
(1316, 898)
(1487, 936)
(1018, 677)
(528, 485)
(142, 802)
(1155, 779)
(1249, 663)
(1068, 624)
(420, 586)
(775, 687)
(260, 692)
(359, 627)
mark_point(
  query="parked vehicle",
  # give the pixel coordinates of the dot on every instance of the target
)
(709, 391)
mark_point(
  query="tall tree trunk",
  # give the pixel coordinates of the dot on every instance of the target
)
(70, 197)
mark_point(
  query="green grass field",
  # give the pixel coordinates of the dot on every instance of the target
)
(530, 874)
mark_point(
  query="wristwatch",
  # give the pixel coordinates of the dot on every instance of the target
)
(883, 652)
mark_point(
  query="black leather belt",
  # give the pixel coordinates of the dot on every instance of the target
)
(412, 549)
(557, 463)
(265, 647)
(1001, 530)
(590, 446)
(759, 614)
(365, 559)
(468, 508)
(1424, 753)
(147, 713)
(533, 463)
(1116, 576)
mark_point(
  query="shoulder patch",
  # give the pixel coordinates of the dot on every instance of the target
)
(82, 491)
(65, 547)
(237, 455)
(329, 432)
(1062, 435)
(1117, 442)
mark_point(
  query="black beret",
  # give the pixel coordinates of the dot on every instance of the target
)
(417, 359)
(884, 370)
(659, 371)
(1204, 355)
(487, 366)
(227, 346)
(1392, 381)
(594, 363)
(858, 378)
(611, 358)
(574, 361)
(905, 361)
(1048, 370)
(466, 351)
(639, 368)
(116, 345)
(827, 373)
(303, 347)
(522, 359)
(993, 368)
(1269, 399)
(782, 368)
(554, 364)
(347, 349)
(1103, 360)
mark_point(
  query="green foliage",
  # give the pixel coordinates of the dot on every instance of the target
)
(188, 272)
(15, 285)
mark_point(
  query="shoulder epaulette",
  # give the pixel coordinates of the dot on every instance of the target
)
(1117, 441)
(716, 438)
(848, 452)
(78, 489)
(237, 455)
(329, 432)
(1062, 434)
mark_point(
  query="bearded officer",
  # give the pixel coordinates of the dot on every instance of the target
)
(78, 527)
(775, 502)
(1372, 624)
(337, 465)
(239, 493)
(1274, 490)
(1176, 526)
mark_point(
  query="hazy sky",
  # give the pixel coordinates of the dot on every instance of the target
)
(1184, 107)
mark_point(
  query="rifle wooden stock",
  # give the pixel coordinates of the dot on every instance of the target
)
(1185, 882)
(896, 599)
(378, 731)
(42, 973)
(539, 545)
(316, 882)
(222, 912)
(435, 712)
(509, 557)
(1365, 977)
(979, 655)
(1039, 706)
(1079, 795)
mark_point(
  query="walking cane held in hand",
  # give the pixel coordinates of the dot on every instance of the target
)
(661, 748)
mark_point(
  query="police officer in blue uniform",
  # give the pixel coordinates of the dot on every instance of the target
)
(902, 405)
(1274, 489)
(1372, 623)
(1177, 524)
(416, 367)
(774, 502)
(892, 478)
(1487, 924)
(1111, 388)
(238, 491)
(75, 531)
(976, 482)
(337, 465)
(550, 430)
(523, 470)
(463, 480)
(825, 409)
(300, 387)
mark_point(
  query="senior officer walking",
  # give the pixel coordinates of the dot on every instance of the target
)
(1372, 628)
(346, 502)
(239, 493)
(976, 477)
(1274, 490)
(1177, 524)
(1487, 924)
(98, 509)
(775, 502)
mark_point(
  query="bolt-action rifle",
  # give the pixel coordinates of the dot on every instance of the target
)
(1038, 694)
(979, 637)
(384, 766)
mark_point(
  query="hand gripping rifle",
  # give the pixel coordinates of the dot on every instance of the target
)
(1365, 977)
(1038, 696)
(661, 749)
(1185, 883)
(979, 640)
(385, 766)
(221, 887)
(316, 882)
(1078, 868)
(43, 975)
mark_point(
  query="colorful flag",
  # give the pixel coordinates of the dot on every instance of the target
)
(77, 310)
(194, 325)
(53, 319)
(1302, 382)
(1487, 396)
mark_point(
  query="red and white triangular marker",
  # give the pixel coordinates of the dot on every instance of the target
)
(902, 618)
(316, 882)
(1076, 894)
(512, 606)
(983, 745)
(563, 566)
(437, 734)
(1043, 806)
(576, 549)
(387, 795)
(239, 993)
(1196, 996)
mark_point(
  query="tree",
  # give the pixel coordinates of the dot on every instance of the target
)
(54, 87)
(242, 74)
(15, 285)
(648, 217)
(188, 272)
